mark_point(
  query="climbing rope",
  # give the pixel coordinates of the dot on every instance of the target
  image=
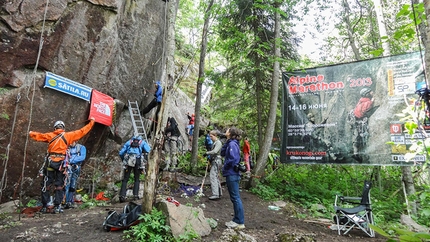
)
(6, 161)
(32, 100)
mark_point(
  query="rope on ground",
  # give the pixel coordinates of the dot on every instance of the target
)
(32, 99)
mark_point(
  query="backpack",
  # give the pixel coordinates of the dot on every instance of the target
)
(126, 219)
(208, 142)
(131, 159)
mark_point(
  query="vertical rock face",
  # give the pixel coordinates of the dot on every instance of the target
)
(113, 46)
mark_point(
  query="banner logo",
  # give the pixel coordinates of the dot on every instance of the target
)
(102, 107)
(67, 86)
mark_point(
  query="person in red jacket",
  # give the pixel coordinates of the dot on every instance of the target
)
(190, 127)
(246, 148)
(56, 159)
(363, 109)
(364, 104)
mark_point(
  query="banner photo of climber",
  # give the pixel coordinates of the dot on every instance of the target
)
(102, 108)
(346, 113)
(67, 86)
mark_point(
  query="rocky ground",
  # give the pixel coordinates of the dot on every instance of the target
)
(261, 223)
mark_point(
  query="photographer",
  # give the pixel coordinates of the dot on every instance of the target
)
(214, 158)
(231, 153)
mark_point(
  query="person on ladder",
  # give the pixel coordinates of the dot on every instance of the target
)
(56, 160)
(156, 102)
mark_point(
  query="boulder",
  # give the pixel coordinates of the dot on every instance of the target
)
(184, 218)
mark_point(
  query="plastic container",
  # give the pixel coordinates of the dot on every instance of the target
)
(274, 208)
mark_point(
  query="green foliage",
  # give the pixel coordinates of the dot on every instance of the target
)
(31, 203)
(91, 202)
(189, 235)
(265, 192)
(397, 234)
(184, 163)
(6, 221)
(4, 116)
(151, 228)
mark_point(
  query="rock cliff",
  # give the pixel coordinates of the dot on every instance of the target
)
(113, 46)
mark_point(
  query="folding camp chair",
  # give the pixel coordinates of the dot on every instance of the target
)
(354, 212)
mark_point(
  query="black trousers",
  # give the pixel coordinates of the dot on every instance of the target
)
(150, 106)
(55, 178)
(136, 173)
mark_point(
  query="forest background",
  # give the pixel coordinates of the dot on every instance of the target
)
(243, 63)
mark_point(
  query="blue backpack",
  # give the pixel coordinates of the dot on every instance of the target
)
(208, 142)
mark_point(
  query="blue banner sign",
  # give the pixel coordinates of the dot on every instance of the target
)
(65, 85)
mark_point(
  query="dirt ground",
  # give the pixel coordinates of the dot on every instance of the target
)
(261, 223)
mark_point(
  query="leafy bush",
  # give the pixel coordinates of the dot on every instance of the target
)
(152, 228)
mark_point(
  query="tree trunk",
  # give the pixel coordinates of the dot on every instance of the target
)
(200, 81)
(409, 187)
(350, 30)
(258, 90)
(150, 182)
(427, 38)
(426, 32)
(382, 29)
(264, 149)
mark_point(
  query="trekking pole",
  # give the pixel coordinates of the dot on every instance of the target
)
(200, 194)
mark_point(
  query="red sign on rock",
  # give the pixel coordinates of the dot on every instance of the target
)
(102, 107)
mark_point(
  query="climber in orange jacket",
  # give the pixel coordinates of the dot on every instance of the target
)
(56, 159)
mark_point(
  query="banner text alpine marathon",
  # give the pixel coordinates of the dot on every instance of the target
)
(346, 113)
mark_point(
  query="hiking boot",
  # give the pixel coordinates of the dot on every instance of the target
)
(69, 205)
(234, 225)
(44, 210)
(57, 209)
(136, 197)
(214, 197)
(121, 199)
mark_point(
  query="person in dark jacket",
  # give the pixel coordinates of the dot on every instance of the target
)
(156, 102)
(231, 153)
(132, 156)
(171, 144)
(158, 96)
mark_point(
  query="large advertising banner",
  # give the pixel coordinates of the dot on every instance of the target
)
(346, 114)
(102, 108)
(67, 86)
